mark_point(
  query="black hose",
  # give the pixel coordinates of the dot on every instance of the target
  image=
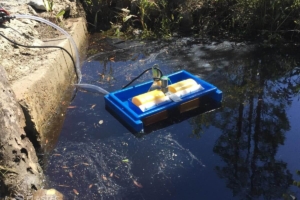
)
(141, 75)
(43, 47)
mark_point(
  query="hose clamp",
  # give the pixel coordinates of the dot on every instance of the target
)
(4, 16)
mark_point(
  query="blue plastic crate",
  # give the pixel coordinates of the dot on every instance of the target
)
(119, 102)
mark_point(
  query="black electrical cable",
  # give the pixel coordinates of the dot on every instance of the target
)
(43, 47)
(141, 75)
(74, 61)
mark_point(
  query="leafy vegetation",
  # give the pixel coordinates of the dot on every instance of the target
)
(268, 20)
(49, 8)
(297, 183)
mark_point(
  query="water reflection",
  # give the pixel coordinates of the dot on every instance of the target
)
(253, 120)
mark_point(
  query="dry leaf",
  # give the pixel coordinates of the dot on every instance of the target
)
(90, 186)
(87, 164)
(92, 106)
(137, 184)
(64, 167)
(108, 78)
(71, 175)
(57, 154)
(111, 174)
(75, 191)
(101, 122)
(63, 185)
(104, 177)
(71, 106)
(46, 141)
(117, 176)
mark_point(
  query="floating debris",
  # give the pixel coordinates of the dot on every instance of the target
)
(137, 184)
(75, 191)
(93, 106)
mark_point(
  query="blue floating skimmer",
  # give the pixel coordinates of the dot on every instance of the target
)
(120, 102)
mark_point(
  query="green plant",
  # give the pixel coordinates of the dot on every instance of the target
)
(144, 9)
(124, 16)
(48, 5)
(158, 19)
(297, 183)
(49, 8)
(168, 22)
(60, 15)
(117, 31)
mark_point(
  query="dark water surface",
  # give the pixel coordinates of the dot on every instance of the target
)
(246, 149)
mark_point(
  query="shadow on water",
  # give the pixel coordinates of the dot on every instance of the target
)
(245, 149)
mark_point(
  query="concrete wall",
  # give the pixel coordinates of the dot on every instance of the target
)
(44, 93)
